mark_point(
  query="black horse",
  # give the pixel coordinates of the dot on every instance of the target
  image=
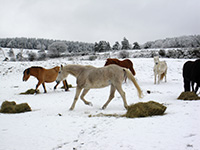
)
(191, 75)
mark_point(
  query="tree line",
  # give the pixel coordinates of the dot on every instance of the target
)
(192, 41)
(58, 46)
(43, 44)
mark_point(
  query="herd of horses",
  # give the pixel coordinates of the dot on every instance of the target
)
(113, 73)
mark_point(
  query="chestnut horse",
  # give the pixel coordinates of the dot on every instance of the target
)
(126, 63)
(43, 75)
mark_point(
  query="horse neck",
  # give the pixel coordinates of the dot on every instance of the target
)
(74, 70)
(34, 72)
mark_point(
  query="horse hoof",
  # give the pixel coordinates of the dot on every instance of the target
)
(71, 109)
(126, 107)
(104, 107)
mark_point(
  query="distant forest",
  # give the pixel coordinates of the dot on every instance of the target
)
(43, 44)
(192, 41)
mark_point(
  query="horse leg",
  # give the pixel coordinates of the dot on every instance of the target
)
(66, 85)
(186, 85)
(37, 86)
(85, 91)
(197, 87)
(123, 95)
(78, 90)
(45, 91)
(154, 78)
(159, 76)
(112, 95)
(192, 84)
(165, 76)
(56, 85)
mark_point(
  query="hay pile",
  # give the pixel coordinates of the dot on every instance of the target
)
(188, 96)
(141, 109)
(12, 107)
(31, 91)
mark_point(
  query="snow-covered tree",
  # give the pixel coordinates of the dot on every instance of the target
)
(56, 49)
(102, 46)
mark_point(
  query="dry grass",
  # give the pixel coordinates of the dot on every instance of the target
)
(12, 107)
(141, 109)
(188, 96)
(31, 91)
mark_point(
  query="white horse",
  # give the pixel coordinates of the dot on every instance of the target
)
(88, 77)
(160, 69)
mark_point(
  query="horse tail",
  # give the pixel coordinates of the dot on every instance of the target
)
(132, 78)
(162, 76)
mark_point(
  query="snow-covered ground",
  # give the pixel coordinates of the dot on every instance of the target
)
(51, 126)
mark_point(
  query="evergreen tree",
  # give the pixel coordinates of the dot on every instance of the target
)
(116, 46)
(136, 45)
(125, 44)
(102, 46)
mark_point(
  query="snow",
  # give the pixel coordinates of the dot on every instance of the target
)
(51, 126)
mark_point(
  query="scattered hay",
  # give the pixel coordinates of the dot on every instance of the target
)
(12, 107)
(188, 96)
(141, 109)
(31, 91)
(69, 85)
(106, 115)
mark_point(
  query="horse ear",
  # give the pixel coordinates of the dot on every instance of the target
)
(61, 67)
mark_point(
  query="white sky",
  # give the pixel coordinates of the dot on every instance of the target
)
(95, 20)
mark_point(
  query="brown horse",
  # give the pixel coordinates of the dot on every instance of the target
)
(44, 75)
(126, 63)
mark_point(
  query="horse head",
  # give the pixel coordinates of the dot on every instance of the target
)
(60, 76)
(26, 74)
(156, 60)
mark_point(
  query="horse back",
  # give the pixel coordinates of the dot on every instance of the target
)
(50, 75)
(100, 77)
(187, 69)
(196, 71)
(112, 61)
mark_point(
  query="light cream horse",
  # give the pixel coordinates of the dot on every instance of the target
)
(160, 69)
(89, 77)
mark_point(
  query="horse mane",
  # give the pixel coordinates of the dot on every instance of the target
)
(113, 60)
(36, 67)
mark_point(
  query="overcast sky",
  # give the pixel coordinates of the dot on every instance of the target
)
(95, 20)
